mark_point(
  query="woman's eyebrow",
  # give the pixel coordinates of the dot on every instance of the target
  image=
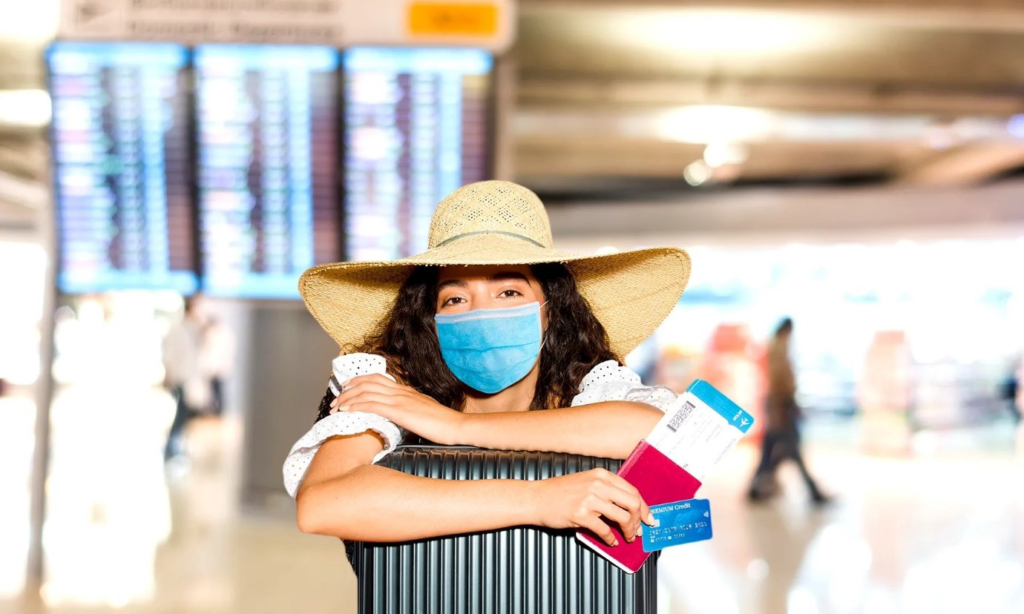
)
(448, 283)
(505, 275)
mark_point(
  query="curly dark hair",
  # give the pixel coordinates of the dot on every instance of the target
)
(574, 342)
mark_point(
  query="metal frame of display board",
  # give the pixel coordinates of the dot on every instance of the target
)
(43, 397)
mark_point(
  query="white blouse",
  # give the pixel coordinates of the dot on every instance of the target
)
(607, 381)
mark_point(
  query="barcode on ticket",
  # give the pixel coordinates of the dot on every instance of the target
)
(680, 416)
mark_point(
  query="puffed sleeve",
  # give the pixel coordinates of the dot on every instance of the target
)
(342, 423)
(610, 381)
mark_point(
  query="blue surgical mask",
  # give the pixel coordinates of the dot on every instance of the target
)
(491, 349)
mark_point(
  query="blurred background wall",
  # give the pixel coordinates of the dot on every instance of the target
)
(853, 165)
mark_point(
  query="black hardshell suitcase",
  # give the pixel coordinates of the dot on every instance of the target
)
(511, 571)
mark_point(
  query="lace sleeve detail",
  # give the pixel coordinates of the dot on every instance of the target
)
(329, 425)
(610, 381)
(344, 423)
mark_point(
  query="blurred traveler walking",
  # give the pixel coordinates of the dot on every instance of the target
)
(1019, 406)
(782, 435)
(182, 374)
(1009, 390)
(217, 355)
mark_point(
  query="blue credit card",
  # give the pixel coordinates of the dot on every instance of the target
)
(678, 523)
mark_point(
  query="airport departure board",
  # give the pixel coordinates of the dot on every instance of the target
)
(122, 166)
(416, 128)
(267, 166)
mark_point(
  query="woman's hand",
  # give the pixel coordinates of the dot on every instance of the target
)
(402, 405)
(589, 500)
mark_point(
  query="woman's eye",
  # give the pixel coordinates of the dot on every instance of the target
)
(455, 300)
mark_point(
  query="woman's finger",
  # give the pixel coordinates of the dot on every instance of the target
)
(372, 403)
(627, 503)
(644, 509)
(624, 519)
(627, 499)
(645, 513)
(349, 393)
(595, 525)
(360, 401)
(371, 377)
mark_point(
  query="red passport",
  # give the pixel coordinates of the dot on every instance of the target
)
(659, 481)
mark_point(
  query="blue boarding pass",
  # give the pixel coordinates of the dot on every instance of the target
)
(682, 522)
(700, 427)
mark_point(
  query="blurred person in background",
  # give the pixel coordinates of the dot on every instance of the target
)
(782, 433)
(1019, 406)
(1010, 390)
(183, 376)
(217, 354)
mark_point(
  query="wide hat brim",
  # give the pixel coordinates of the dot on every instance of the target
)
(630, 292)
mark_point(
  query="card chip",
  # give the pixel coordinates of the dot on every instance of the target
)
(680, 415)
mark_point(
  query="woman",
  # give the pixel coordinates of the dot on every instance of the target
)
(491, 338)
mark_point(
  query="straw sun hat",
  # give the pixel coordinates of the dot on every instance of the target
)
(498, 222)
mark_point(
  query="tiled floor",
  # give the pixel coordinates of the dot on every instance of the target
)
(127, 534)
(915, 536)
(937, 533)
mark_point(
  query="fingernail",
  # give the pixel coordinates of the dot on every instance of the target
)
(640, 530)
(343, 408)
(615, 542)
(650, 519)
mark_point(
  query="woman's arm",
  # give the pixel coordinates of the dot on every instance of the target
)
(610, 429)
(345, 496)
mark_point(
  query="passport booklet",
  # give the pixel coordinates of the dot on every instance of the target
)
(671, 463)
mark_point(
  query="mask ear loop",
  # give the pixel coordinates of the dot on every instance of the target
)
(543, 333)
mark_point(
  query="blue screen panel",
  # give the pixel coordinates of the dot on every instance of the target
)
(267, 158)
(121, 166)
(416, 128)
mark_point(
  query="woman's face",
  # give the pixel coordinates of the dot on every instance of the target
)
(465, 288)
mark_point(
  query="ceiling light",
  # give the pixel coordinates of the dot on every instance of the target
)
(715, 124)
(29, 108)
(34, 21)
(697, 173)
(939, 137)
(728, 32)
(722, 154)
(1016, 126)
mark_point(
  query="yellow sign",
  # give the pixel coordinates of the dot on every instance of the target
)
(451, 19)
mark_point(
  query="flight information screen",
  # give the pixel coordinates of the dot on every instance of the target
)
(416, 128)
(267, 166)
(121, 166)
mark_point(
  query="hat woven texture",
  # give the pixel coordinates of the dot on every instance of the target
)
(498, 222)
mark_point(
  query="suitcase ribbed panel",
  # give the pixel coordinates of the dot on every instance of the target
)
(520, 570)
